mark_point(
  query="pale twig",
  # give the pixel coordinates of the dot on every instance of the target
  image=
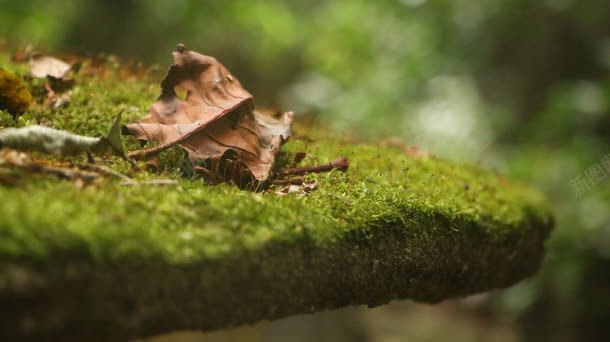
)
(109, 171)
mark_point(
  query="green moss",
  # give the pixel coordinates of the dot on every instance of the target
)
(14, 96)
(112, 261)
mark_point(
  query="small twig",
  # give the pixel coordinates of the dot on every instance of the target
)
(148, 153)
(340, 164)
(106, 170)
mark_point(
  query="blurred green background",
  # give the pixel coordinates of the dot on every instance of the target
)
(522, 87)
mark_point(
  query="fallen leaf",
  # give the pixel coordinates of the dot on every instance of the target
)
(14, 96)
(42, 66)
(216, 122)
(62, 143)
(60, 76)
(254, 141)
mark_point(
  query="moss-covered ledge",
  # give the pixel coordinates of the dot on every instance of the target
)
(115, 262)
(111, 262)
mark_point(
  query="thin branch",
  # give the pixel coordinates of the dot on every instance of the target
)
(108, 171)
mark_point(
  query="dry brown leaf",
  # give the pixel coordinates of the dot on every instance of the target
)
(60, 76)
(216, 122)
(42, 66)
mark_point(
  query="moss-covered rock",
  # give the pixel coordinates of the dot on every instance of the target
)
(14, 96)
(111, 262)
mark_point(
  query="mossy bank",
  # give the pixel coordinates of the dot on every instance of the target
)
(113, 262)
